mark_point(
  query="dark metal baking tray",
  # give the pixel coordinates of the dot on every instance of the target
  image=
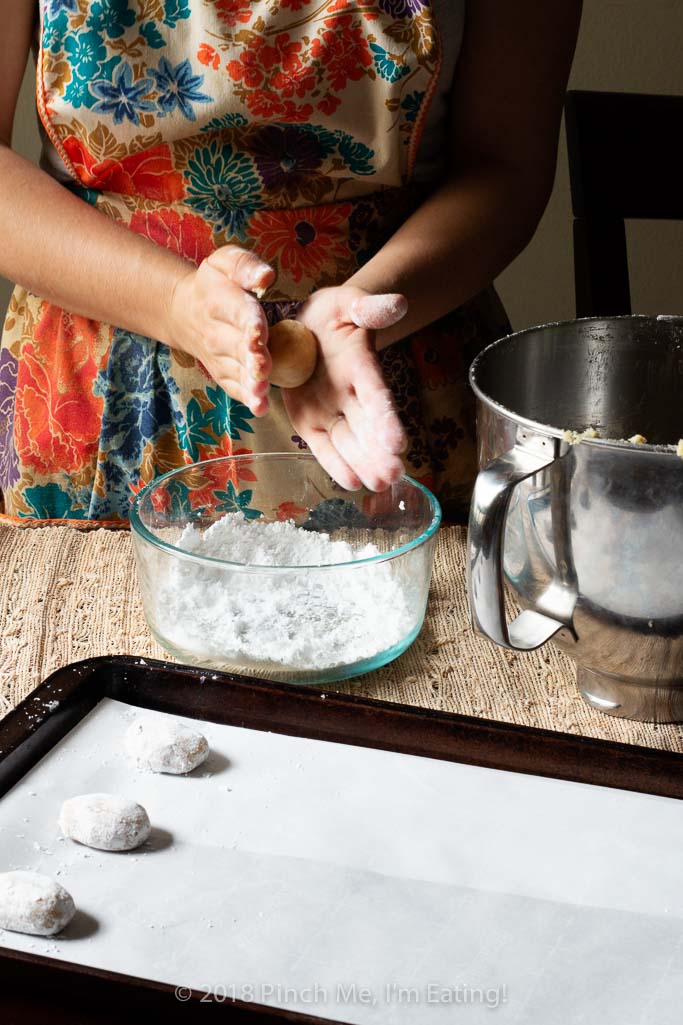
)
(37, 989)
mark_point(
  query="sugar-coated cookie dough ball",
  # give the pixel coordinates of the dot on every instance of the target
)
(164, 745)
(34, 904)
(105, 821)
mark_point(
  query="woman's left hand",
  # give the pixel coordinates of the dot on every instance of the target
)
(345, 412)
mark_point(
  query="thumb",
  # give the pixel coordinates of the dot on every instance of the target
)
(377, 311)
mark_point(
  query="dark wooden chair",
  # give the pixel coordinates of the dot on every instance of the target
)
(624, 162)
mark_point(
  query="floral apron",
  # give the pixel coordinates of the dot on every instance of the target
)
(286, 126)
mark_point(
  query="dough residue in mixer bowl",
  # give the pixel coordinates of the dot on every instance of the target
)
(311, 619)
(576, 437)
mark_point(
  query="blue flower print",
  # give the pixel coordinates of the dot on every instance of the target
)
(191, 433)
(137, 399)
(78, 93)
(111, 16)
(89, 196)
(54, 32)
(411, 105)
(178, 88)
(175, 10)
(226, 415)
(55, 7)
(138, 393)
(115, 502)
(356, 154)
(49, 502)
(233, 501)
(86, 51)
(123, 98)
(179, 496)
(233, 119)
(327, 137)
(385, 66)
(223, 186)
(152, 35)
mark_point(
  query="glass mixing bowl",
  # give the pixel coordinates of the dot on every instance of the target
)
(215, 598)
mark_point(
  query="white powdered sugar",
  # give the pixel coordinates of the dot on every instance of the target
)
(34, 904)
(377, 311)
(306, 619)
(163, 745)
(105, 821)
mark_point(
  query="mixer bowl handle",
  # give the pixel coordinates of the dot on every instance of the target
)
(485, 579)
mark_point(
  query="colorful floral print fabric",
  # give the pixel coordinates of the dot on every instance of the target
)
(286, 126)
(278, 107)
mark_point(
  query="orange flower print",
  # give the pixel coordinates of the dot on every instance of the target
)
(223, 474)
(292, 77)
(149, 173)
(200, 498)
(57, 417)
(357, 5)
(135, 487)
(304, 240)
(278, 65)
(161, 500)
(242, 465)
(290, 511)
(188, 236)
(343, 51)
(273, 74)
(231, 12)
(236, 471)
(328, 104)
(249, 69)
(268, 105)
(209, 57)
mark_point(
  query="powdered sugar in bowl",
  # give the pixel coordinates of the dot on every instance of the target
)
(260, 564)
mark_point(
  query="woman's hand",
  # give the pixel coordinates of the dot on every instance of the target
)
(214, 317)
(345, 412)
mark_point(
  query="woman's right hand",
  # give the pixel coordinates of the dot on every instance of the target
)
(214, 316)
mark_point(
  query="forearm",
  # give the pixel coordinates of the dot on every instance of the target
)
(64, 250)
(455, 244)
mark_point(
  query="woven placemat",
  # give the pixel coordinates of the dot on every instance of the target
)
(67, 595)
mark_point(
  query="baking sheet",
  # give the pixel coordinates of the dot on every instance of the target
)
(363, 885)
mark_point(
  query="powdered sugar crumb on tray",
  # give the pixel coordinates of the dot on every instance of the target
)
(304, 619)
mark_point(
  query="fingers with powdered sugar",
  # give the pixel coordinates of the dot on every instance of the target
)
(375, 312)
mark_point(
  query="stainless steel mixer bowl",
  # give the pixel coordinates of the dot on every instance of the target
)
(589, 536)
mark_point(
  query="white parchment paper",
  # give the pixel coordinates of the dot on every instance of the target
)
(365, 886)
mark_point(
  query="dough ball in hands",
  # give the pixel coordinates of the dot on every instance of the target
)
(105, 821)
(163, 745)
(33, 903)
(294, 352)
